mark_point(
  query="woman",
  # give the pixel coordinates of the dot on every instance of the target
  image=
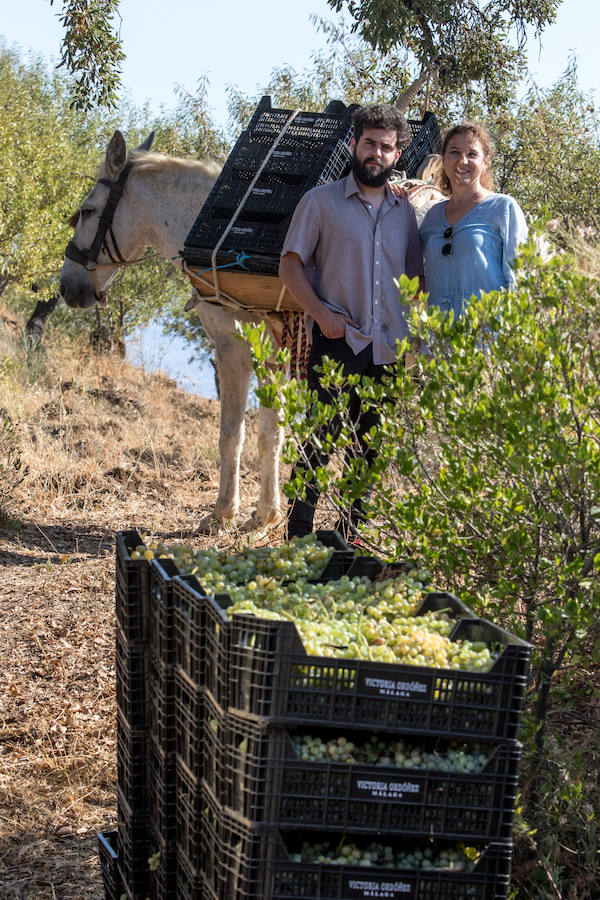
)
(471, 239)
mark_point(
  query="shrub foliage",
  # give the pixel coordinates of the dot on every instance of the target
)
(488, 473)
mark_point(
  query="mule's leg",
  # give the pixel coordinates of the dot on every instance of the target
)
(235, 368)
(270, 440)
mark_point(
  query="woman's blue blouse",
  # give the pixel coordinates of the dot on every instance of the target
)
(484, 244)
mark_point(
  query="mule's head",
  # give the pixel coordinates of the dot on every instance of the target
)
(91, 264)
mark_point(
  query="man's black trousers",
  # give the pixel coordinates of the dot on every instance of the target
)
(301, 512)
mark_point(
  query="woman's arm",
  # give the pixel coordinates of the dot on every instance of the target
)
(516, 234)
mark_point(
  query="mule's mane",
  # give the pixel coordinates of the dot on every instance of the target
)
(175, 168)
(148, 163)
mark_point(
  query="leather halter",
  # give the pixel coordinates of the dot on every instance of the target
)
(88, 257)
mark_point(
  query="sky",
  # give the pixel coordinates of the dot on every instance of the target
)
(240, 43)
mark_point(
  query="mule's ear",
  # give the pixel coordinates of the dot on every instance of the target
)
(147, 143)
(116, 154)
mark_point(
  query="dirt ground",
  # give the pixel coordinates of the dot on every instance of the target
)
(104, 448)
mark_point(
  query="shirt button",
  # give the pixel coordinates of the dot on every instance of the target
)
(376, 262)
(376, 282)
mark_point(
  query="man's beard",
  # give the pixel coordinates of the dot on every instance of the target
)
(369, 179)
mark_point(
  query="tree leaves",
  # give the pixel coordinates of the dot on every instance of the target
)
(466, 41)
(92, 51)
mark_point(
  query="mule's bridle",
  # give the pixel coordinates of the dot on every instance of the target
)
(89, 257)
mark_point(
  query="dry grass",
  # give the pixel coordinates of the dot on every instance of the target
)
(106, 447)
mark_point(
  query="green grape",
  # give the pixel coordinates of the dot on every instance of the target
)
(351, 618)
(459, 758)
(458, 858)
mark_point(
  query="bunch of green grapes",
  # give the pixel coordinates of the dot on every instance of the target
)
(350, 618)
(336, 620)
(349, 599)
(461, 758)
(458, 858)
(298, 560)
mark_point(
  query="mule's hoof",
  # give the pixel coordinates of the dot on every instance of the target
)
(258, 522)
(210, 525)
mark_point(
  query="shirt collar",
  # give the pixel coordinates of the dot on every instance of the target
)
(351, 188)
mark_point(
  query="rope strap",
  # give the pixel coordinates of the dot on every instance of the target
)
(241, 204)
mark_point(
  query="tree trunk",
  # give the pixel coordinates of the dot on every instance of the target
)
(35, 326)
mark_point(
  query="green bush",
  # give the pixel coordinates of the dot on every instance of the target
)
(488, 473)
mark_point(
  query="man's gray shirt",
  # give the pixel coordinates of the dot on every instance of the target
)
(352, 255)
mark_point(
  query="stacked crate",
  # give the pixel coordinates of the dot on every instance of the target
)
(162, 739)
(203, 688)
(210, 785)
(273, 163)
(256, 801)
(171, 668)
(133, 717)
(143, 861)
(426, 139)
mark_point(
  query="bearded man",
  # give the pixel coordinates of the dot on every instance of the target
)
(347, 242)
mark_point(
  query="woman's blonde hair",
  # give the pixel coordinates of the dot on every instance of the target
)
(478, 132)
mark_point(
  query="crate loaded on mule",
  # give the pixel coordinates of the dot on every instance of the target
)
(232, 251)
(298, 721)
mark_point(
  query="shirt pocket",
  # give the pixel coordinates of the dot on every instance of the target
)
(393, 235)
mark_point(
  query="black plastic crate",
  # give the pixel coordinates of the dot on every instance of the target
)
(133, 848)
(190, 818)
(343, 556)
(426, 139)
(131, 588)
(132, 763)
(272, 676)
(333, 124)
(108, 853)
(190, 881)
(254, 863)
(217, 638)
(376, 569)
(162, 797)
(162, 640)
(202, 637)
(269, 783)
(255, 238)
(215, 756)
(163, 880)
(132, 664)
(189, 710)
(161, 717)
(248, 246)
(295, 161)
(332, 538)
(202, 628)
(270, 203)
(188, 627)
(291, 170)
(163, 867)
(213, 816)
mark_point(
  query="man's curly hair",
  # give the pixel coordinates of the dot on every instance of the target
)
(382, 115)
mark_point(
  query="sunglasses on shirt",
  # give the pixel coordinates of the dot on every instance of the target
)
(447, 248)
